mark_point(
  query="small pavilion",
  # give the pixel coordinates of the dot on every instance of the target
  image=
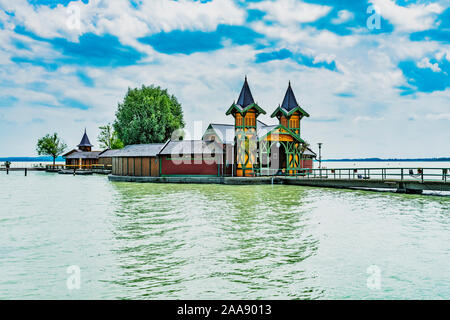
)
(83, 155)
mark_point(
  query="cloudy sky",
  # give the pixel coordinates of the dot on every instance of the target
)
(374, 85)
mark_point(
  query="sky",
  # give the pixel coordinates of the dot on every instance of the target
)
(373, 74)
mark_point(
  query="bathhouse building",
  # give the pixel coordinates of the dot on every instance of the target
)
(247, 147)
(83, 155)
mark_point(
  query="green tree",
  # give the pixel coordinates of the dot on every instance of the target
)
(148, 115)
(108, 138)
(51, 145)
(304, 146)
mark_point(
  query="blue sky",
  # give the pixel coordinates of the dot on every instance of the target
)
(373, 74)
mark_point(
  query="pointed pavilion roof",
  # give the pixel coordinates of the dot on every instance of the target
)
(290, 104)
(245, 97)
(85, 141)
(289, 101)
(245, 101)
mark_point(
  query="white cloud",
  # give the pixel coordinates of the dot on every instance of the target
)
(206, 83)
(359, 119)
(119, 18)
(343, 16)
(414, 17)
(425, 63)
(294, 35)
(288, 12)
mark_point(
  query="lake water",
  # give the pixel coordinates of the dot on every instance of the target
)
(155, 241)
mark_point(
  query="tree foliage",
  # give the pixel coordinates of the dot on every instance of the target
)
(304, 146)
(148, 115)
(51, 145)
(108, 138)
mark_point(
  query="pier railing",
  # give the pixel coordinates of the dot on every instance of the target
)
(384, 174)
(78, 167)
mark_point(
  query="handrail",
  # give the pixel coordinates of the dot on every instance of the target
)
(76, 166)
(402, 174)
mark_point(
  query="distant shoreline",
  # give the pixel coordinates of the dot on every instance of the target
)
(31, 159)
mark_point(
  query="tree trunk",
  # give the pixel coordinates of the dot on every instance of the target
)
(54, 158)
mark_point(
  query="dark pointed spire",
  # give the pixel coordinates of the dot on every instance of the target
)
(85, 140)
(245, 97)
(289, 101)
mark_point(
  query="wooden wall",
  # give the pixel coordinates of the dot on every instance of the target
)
(169, 167)
(306, 163)
(135, 166)
(84, 162)
(107, 161)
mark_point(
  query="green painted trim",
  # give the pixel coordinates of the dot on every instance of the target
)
(287, 114)
(283, 127)
(159, 162)
(210, 127)
(244, 110)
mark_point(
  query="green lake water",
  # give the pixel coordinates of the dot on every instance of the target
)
(167, 241)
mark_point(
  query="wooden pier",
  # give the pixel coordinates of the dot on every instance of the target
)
(402, 180)
(79, 169)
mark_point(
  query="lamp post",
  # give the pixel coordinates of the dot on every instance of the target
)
(320, 155)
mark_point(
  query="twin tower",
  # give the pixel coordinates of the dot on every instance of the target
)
(259, 146)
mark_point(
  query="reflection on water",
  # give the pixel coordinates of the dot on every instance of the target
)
(213, 241)
(154, 241)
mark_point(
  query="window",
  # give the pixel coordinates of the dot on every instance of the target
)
(238, 120)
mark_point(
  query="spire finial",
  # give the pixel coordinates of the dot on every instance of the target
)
(245, 77)
(289, 83)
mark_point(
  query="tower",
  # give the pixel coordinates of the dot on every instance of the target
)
(85, 144)
(289, 113)
(245, 112)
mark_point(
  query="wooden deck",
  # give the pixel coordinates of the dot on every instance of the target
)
(415, 181)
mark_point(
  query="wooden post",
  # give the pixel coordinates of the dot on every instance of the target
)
(25, 172)
(402, 175)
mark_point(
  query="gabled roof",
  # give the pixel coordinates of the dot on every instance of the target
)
(290, 104)
(221, 131)
(309, 152)
(245, 97)
(69, 152)
(82, 155)
(139, 150)
(85, 141)
(224, 132)
(108, 153)
(186, 147)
